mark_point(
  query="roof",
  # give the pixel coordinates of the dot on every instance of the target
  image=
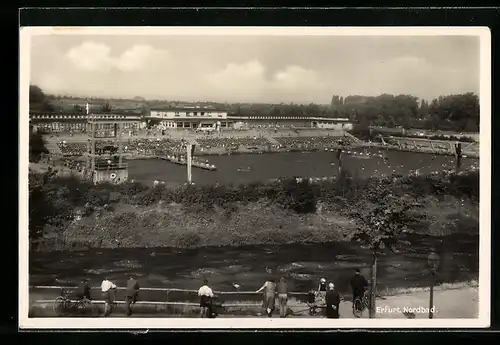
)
(332, 119)
(85, 117)
(189, 109)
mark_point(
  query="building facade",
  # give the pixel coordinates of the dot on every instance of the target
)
(190, 118)
(209, 119)
(204, 119)
(67, 122)
(242, 122)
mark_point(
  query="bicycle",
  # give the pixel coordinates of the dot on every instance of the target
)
(360, 304)
(63, 305)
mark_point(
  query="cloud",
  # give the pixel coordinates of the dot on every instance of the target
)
(248, 81)
(251, 70)
(91, 56)
(295, 77)
(139, 57)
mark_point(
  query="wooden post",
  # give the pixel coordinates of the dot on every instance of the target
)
(373, 287)
(189, 158)
(458, 157)
(120, 151)
(92, 146)
(89, 158)
(433, 262)
(431, 297)
(339, 159)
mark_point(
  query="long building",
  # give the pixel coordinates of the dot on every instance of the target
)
(68, 122)
(195, 117)
(210, 118)
(205, 119)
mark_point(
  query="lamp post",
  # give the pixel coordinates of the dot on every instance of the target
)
(339, 156)
(458, 157)
(433, 262)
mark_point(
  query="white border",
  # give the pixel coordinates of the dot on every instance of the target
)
(251, 323)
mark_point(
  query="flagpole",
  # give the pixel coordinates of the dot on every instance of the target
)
(189, 158)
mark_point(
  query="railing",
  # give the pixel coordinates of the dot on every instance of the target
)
(170, 302)
(113, 166)
(169, 290)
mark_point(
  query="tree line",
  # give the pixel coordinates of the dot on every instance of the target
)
(41, 102)
(458, 112)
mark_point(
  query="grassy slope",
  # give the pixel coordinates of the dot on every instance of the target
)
(255, 223)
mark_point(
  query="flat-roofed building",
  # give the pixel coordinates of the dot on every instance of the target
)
(77, 122)
(209, 118)
(290, 122)
(193, 118)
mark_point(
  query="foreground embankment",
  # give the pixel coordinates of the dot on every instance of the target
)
(69, 214)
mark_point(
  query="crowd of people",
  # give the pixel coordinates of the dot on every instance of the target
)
(152, 146)
(108, 290)
(72, 148)
(145, 146)
(233, 143)
(313, 143)
(325, 296)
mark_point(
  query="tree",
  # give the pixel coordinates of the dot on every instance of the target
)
(78, 109)
(106, 108)
(39, 101)
(382, 221)
(36, 95)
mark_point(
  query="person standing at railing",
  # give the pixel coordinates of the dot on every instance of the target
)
(269, 289)
(332, 302)
(282, 290)
(131, 294)
(321, 292)
(107, 288)
(83, 290)
(206, 295)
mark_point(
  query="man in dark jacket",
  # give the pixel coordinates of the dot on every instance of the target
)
(131, 293)
(358, 285)
(83, 290)
(332, 302)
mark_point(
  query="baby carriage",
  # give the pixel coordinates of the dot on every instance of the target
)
(316, 302)
(214, 308)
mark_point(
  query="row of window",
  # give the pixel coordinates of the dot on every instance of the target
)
(187, 114)
(172, 124)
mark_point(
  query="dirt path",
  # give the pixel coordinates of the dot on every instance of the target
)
(460, 303)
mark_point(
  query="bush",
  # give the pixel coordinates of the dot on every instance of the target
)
(54, 203)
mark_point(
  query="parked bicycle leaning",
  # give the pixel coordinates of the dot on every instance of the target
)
(64, 305)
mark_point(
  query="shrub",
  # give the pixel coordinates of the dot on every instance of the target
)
(54, 203)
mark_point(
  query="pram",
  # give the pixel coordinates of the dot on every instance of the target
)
(315, 302)
(214, 308)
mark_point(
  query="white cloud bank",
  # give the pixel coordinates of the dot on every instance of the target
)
(143, 66)
(91, 56)
(239, 72)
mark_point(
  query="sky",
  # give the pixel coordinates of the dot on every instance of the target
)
(264, 69)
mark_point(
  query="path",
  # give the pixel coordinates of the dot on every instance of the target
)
(458, 303)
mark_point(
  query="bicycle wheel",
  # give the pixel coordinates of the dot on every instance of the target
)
(59, 306)
(357, 308)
